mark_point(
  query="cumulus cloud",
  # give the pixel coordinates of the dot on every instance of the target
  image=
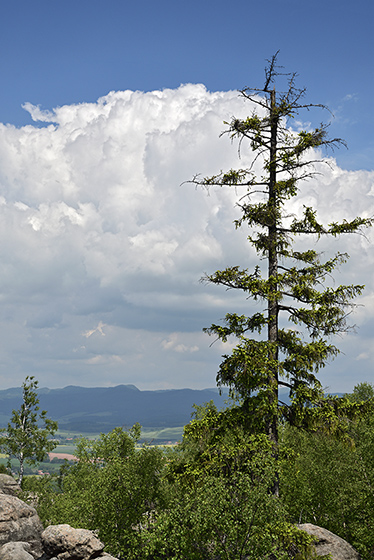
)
(101, 236)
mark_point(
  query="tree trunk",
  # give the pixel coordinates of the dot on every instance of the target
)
(21, 468)
(272, 421)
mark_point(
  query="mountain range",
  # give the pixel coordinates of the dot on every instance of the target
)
(100, 409)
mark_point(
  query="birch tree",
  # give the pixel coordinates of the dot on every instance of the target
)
(29, 432)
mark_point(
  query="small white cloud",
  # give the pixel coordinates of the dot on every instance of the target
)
(350, 97)
(181, 348)
(55, 217)
(104, 360)
(172, 343)
(38, 114)
(98, 329)
(21, 206)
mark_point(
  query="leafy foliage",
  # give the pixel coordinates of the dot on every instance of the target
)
(362, 393)
(220, 501)
(24, 439)
(329, 482)
(232, 518)
(111, 489)
(215, 443)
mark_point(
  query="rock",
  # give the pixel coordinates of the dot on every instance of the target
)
(328, 543)
(65, 543)
(19, 522)
(16, 551)
(8, 485)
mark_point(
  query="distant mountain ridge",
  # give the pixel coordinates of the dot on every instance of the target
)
(96, 409)
(100, 409)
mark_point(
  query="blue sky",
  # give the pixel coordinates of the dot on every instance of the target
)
(103, 250)
(57, 53)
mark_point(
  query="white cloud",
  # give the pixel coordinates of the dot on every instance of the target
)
(38, 114)
(98, 329)
(100, 237)
(172, 343)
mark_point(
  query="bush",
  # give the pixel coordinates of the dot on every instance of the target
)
(109, 490)
(329, 482)
(218, 518)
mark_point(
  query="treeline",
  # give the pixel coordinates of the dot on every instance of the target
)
(210, 497)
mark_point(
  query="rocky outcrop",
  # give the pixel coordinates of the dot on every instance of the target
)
(16, 551)
(60, 542)
(19, 522)
(8, 485)
(22, 536)
(64, 542)
(328, 543)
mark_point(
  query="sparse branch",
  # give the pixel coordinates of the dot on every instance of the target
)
(270, 71)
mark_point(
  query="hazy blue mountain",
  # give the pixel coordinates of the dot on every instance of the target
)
(103, 408)
(96, 409)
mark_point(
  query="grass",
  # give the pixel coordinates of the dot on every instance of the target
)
(162, 434)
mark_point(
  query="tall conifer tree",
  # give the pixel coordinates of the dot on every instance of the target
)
(295, 283)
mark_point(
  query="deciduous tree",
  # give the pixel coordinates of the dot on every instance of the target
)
(29, 432)
(112, 488)
(362, 392)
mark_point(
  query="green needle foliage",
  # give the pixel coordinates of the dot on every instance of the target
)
(28, 435)
(295, 285)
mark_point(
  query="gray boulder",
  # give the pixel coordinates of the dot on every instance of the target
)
(19, 522)
(16, 551)
(65, 543)
(8, 485)
(328, 543)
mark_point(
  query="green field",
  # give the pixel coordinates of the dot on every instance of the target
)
(68, 440)
(162, 434)
(62, 448)
(155, 436)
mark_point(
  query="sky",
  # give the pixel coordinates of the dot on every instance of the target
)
(107, 110)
